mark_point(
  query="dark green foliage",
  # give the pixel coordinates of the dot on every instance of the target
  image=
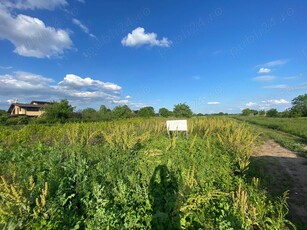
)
(164, 112)
(182, 110)
(3, 117)
(146, 112)
(272, 113)
(261, 112)
(104, 113)
(249, 112)
(299, 107)
(121, 112)
(58, 112)
(90, 114)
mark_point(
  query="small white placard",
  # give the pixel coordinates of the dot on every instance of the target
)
(177, 125)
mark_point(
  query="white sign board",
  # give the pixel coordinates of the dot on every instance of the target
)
(177, 125)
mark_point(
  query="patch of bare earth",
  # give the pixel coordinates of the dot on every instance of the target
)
(296, 167)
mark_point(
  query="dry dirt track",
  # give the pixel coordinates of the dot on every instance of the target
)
(296, 167)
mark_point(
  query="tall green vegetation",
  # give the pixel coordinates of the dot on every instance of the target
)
(58, 111)
(299, 108)
(121, 112)
(129, 174)
(147, 112)
(182, 110)
(164, 112)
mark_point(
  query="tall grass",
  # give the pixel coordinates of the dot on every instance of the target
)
(131, 175)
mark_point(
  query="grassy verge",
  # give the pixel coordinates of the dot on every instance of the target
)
(287, 140)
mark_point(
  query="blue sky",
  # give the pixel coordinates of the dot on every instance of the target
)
(216, 56)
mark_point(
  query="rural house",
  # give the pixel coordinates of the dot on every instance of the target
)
(34, 109)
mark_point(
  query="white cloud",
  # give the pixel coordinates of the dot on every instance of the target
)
(128, 97)
(276, 102)
(264, 70)
(121, 102)
(83, 27)
(22, 84)
(75, 82)
(264, 78)
(132, 105)
(31, 37)
(34, 4)
(213, 103)
(251, 104)
(279, 62)
(266, 104)
(276, 87)
(28, 86)
(138, 37)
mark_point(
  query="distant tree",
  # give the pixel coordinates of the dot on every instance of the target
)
(261, 112)
(58, 112)
(200, 115)
(299, 106)
(222, 114)
(3, 116)
(249, 112)
(272, 113)
(146, 112)
(121, 111)
(286, 113)
(246, 112)
(104, 113)
(90, 114)
(164, 112)
(254, 112)
(182, 110)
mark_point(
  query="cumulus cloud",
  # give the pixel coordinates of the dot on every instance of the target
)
(264, 70)
(34, 4)
(128, 97)
(31, 37)
(264, 78)
(21, 84)
(29, 86)
(213, 103)
(72, 81)
(138, 37)
(83, 27)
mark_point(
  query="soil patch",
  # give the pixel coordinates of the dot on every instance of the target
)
(294, 167)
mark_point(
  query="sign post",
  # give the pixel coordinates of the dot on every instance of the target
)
(177, 126)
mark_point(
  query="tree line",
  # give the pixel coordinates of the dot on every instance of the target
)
(298, 109)
(62, 112)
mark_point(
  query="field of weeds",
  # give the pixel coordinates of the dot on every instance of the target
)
(130, 175)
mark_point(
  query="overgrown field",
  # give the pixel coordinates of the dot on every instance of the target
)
(294, 126)
(131, 175)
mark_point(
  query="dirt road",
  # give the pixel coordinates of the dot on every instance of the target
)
(295, 167)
